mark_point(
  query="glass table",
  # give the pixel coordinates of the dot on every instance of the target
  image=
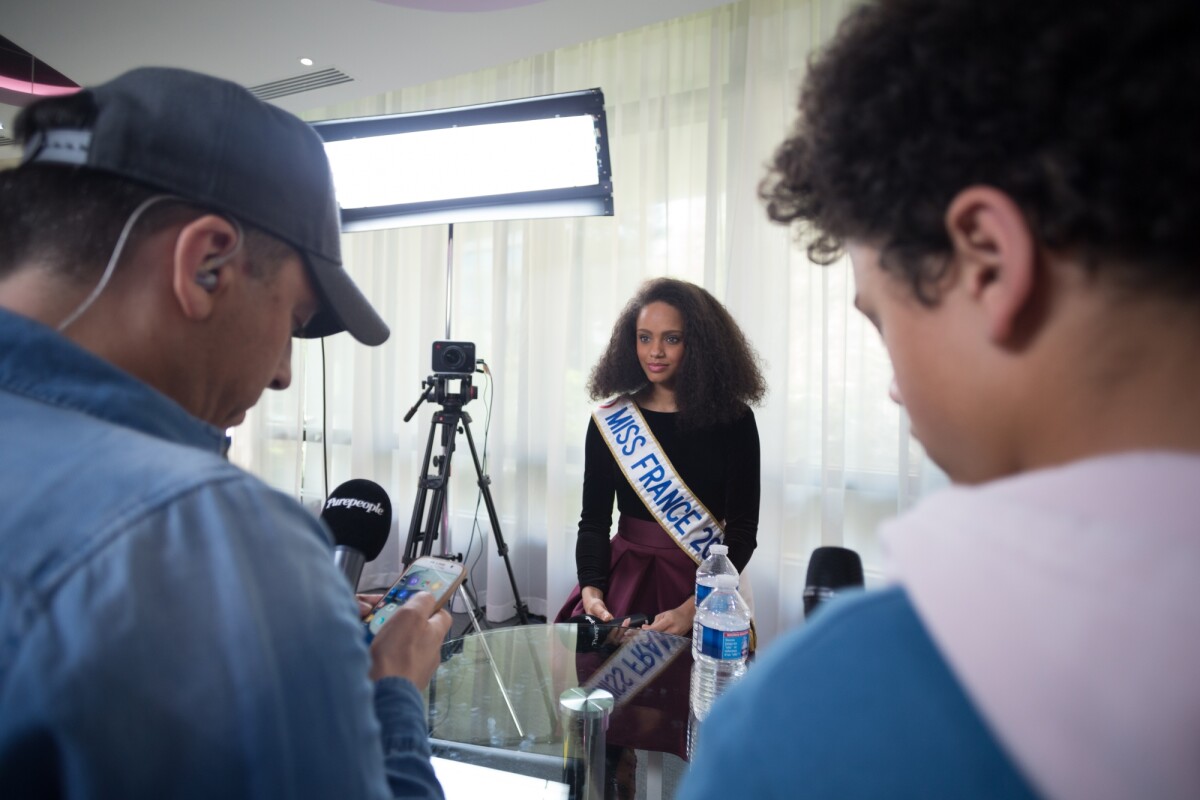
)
(503, 699)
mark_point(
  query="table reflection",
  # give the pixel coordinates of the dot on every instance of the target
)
(494, 699)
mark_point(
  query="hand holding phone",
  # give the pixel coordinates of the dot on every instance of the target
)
(410, 645)
(440, 577)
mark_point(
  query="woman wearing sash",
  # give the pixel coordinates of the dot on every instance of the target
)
(678, 447)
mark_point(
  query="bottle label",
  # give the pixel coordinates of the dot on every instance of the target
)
(725, 645)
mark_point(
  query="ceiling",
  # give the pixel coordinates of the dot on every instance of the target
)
(379, 45)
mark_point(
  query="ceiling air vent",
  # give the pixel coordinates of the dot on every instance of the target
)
(5, 141)
(301, 83)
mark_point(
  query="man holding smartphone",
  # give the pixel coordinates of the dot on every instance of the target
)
(437, 577)
(169, 625)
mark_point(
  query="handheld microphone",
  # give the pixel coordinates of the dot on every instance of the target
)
(594, 635)
(830, 570)
(359, 514)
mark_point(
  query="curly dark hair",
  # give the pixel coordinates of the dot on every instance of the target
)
(720, 373)
(1086, 113)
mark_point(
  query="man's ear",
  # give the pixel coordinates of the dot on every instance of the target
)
(201, 268)
(995, 251)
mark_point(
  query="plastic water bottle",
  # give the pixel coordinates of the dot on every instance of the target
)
(724, 622)
(716, 564)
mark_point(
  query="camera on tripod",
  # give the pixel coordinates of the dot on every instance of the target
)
(450, 387)
(453, 358)
(450, 384)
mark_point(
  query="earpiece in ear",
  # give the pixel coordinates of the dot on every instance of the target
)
(209, 278)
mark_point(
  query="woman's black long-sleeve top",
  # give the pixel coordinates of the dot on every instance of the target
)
(719, 464)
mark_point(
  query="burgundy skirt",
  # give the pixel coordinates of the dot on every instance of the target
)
(648, 573)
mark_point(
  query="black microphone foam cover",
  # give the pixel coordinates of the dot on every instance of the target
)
(359, 514)
(591, 634)
(829, 570)
(596, 636)
(834, 568)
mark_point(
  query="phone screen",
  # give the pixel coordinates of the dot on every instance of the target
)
(439, 578)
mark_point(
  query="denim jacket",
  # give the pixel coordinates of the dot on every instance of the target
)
(170, 626)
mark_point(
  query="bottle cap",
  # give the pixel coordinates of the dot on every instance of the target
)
(718, 550)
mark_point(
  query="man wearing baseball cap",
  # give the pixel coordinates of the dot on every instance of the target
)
(169, 625)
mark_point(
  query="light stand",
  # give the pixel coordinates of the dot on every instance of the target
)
(529, 158)
(431, 488)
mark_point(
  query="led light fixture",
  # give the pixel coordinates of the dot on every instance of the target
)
(519, 159)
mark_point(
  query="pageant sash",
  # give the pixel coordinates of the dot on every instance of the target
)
(654, 479)
(636, 664)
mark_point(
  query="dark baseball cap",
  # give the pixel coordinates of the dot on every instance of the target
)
(211, 142)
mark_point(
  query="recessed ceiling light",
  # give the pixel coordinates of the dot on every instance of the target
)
(306, 62)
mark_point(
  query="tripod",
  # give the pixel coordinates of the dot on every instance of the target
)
(431, 488)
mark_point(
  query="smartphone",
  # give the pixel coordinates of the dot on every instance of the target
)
(438, 576)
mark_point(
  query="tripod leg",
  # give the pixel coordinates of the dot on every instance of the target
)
(472, 601)
(501, 547)
(495, 669)
(415, 536)
(420, 541)
(437, 504)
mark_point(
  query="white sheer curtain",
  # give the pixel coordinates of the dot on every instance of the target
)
(695, 107)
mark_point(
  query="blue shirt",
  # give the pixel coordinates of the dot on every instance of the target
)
(856, 704)
(170, 626)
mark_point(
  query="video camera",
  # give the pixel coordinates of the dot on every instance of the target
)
(453, 358)
(453, 365)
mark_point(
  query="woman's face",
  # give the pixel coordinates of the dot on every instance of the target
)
(660, 342)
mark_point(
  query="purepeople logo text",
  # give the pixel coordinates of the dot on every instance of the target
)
(354, 502)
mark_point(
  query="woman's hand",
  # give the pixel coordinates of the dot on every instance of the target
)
(676, 621)
(593, 603)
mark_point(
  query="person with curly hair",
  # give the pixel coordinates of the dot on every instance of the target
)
(686, 374)
(1017, 186)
